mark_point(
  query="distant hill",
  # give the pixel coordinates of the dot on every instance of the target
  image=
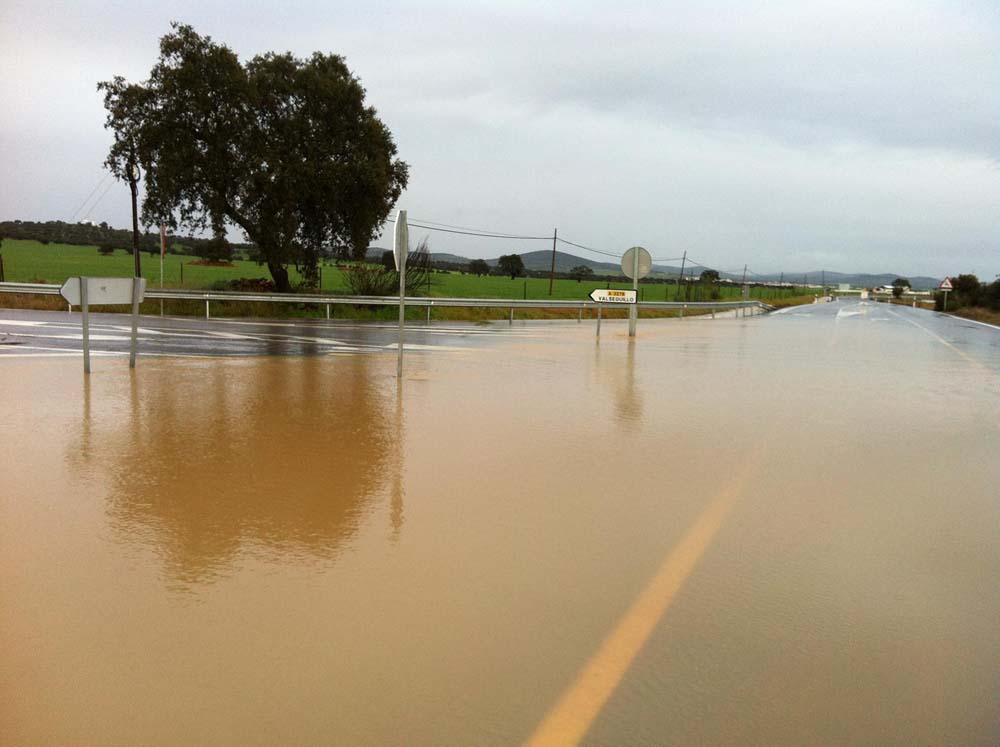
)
(541, 261)
(861, 280)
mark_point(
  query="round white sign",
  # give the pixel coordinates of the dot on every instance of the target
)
(645, 263)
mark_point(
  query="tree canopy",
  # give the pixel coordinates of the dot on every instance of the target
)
(479, 267)
(581, 271)
(511, 264)
(283, 148)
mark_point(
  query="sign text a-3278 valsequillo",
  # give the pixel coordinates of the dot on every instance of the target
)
(602, 295)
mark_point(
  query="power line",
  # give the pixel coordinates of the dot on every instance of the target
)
(481, 233)
(590, 249)
(92, 193)
(477, 231)
(98, 202)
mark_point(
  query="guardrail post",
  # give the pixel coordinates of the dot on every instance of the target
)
(207, 314)
(511, 321)
(713, 312)
(579, 316)
(428, 313)
(328, 311)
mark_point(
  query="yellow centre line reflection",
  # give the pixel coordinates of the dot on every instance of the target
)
(578, 707)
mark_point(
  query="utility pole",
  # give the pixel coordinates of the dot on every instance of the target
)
(552, 271)
(133, 183)
(681, 281)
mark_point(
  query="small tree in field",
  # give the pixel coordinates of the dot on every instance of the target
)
(511, 264)
(479, 267)
(899, 285)
(581, 272)
(106, 250)
(216, 249)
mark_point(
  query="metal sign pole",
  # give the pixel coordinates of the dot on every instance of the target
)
(135, 322)
(599, 307)
(163, 251)
(400, 250)
(945, 301)
(85, 310)
(402, 314)
(633, 312)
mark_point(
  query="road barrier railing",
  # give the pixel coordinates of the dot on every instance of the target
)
(181, 294)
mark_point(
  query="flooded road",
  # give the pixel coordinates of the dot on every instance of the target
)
(778, 530)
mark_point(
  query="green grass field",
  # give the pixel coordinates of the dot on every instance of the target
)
(31, 261)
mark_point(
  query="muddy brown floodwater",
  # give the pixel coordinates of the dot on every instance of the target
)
(296, 551)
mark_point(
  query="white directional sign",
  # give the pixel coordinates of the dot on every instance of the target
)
(601, 295)
(630, 263)
(87, 292)
(946, 285)
(400, 241)
(102, 291)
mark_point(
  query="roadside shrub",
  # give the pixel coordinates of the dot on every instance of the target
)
(246, 285)
(379, 280)
(991, 296)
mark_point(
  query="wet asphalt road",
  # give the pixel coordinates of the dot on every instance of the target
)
(52, 333)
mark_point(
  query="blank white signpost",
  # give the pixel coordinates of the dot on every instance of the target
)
(400, 248)
(636, 264)
(87, 292)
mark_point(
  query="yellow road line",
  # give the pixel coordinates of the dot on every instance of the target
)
(578, 707)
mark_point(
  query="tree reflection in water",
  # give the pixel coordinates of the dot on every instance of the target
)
(284, 457)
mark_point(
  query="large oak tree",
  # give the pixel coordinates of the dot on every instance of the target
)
(281, 147)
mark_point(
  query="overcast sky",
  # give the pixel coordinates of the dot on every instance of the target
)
(792, 136)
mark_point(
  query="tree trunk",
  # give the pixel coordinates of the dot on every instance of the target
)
(280, 274)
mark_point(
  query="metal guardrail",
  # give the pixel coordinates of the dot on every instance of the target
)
(327, 300)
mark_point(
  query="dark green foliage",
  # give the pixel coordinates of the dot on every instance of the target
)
(389, 260)
(106, 250)
(709, 276)
(379, 280)
(283, 148)
(479, 267)
(969, 291)
(581, 272)
(967, 285)
(511, 264)
(250, 285)
(216, 249)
